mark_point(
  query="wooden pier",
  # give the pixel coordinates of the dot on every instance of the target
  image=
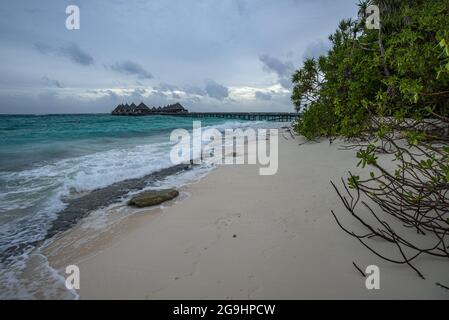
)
(250, 116)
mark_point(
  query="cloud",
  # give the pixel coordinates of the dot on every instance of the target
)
(283, 70)
(189, 41)
(194, 90)
(112, 94)
(174, 90)
(137, 95)
(163, 86)
(242, 7)
(190, 90)
(272, 64)
(286, 82)
(44, 48)
(51, 82)
(132, 68)
(216, 90)
(74, 53)
(262, 96)
(316, 49)
(71, 51)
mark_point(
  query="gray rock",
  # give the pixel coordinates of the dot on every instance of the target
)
(152, 197)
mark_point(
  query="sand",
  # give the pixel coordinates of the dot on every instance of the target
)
(239, 235)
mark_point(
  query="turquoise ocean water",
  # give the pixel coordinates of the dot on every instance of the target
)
(45, 159)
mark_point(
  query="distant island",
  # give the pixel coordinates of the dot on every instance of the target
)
(142, 109)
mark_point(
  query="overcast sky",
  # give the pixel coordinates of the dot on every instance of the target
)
(210, 55)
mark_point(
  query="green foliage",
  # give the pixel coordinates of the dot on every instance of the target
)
(317, 121)
(392, 87)
(367, 156)
(401, 70)
(444, 69)
(414, 138)
(353, 182)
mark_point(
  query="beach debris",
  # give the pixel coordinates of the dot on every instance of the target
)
(152, 197)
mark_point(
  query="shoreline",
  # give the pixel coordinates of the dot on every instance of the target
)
(239, 235)
(78, 208)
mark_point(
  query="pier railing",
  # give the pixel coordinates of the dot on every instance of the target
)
(251, 116)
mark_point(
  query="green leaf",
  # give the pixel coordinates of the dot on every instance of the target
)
(353, 182)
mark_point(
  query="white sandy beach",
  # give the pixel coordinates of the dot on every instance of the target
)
(240, 235)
